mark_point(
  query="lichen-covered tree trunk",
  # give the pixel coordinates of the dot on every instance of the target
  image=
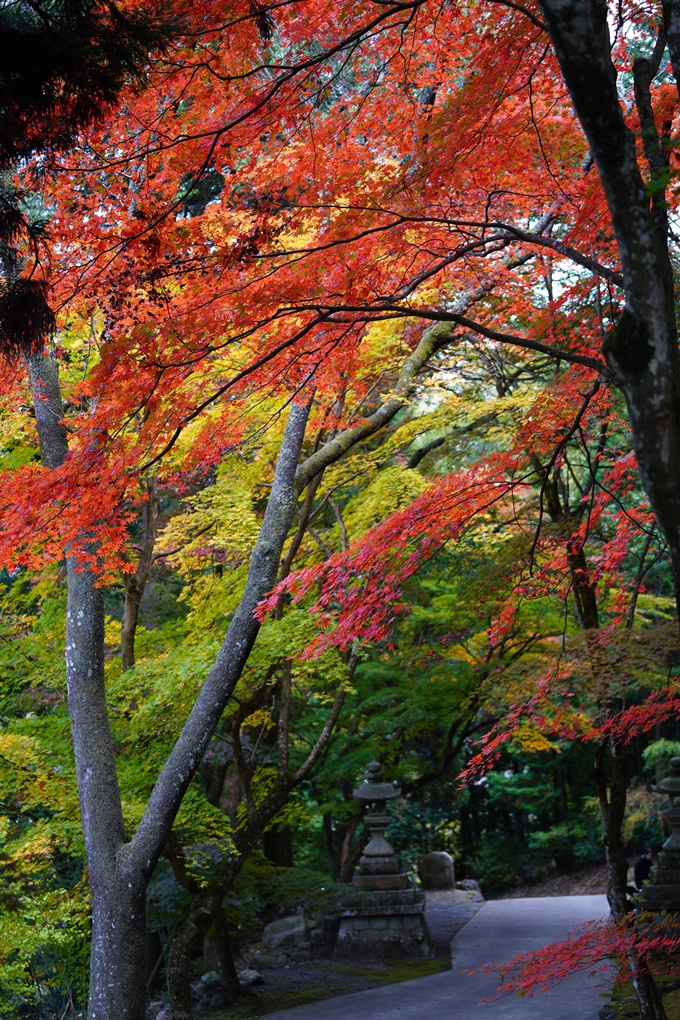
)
(117, 976)
(642, 347)
(120, 871)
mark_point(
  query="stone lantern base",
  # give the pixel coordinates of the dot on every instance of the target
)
(387, 924)
(662, 890)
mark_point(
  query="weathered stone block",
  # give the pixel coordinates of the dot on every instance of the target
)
(436, 870)
(262, 961)
(301, 955)
(289, 931)
(469, 885)
(250, 977)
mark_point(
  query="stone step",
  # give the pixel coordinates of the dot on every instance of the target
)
(659, 897)
(665, 876)
(376, 910)
(657, 889)
(384, 897)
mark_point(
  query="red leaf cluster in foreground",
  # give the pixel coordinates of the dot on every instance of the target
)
(594, 947)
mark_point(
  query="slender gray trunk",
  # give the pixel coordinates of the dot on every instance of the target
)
(117, 978)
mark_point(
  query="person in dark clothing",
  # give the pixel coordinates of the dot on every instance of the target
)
(643, 866)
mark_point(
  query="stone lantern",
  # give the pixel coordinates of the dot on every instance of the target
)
(383, 917)
(662, 890)
(379, 866)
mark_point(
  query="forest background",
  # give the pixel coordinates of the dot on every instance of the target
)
(338, 424)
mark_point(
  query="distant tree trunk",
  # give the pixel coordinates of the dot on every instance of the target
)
(228, 973)
(186, 939)
(278, 847)
(612, 810)
(208, 900)
(675, 574)
(349, 855)
(135, 584)
(154, 959)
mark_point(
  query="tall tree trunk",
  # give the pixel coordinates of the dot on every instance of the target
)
(612, 809)
(117, 963)
(642, 347)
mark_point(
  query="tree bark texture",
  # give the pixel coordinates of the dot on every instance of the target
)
(117, 963)
(642, 347)
(192, 742)
(612, 809)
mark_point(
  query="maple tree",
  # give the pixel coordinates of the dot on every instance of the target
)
(238, 230)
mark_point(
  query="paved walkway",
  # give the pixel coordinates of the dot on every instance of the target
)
(500, 930)
(446, 911)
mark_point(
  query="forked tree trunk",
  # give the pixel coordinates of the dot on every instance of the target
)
(120, 871)
(208, 900)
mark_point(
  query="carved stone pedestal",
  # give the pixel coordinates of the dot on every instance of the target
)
(662, 890)
(388, 925)
(383, 918)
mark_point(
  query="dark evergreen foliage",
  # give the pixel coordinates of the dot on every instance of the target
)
(25, 317)
(62, 62)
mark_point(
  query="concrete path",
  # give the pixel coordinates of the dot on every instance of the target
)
(446, 912)
(500, 930)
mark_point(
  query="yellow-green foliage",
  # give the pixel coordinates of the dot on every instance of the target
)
(390, 490)
(44, 924)
(217, 520)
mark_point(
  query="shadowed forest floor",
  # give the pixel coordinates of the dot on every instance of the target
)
(298, 984)
(588, 882)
